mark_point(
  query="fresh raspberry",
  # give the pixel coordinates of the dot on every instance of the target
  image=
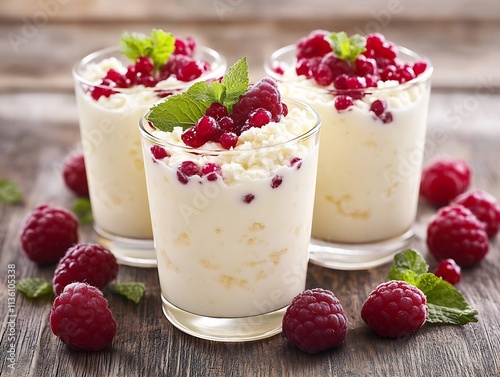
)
(484, 206)
(454, 232)
(449, 270)
(395, 308)
(444, 179)
(81, 318)
(74, 174)
(263, 94)
(90, 263)
(315, 321)
(47, 233)
(313, 45)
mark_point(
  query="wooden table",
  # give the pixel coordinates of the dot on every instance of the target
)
(38, 128)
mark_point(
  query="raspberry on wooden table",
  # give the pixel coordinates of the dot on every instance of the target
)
(444, 179)
(81, 318)
(454, 232)
(90, 263)
(484, 206)
(47, 233)
(395, 308)
(74, 174)
(315, 321)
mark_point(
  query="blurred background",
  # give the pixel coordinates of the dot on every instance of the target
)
(42, 39)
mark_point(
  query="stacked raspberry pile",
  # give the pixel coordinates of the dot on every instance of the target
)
(182, 65)
(379, 61)
(461, 227)
(260, 105)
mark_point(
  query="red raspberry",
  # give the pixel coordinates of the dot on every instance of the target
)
(90, 263)
(315, 321)
(263, 94)
(47, 233)
(313, 45)
(395, 308)
(74, 174)
(443, 180)
(449, 270)
(484, 206)
(81, 318)
(454, 232)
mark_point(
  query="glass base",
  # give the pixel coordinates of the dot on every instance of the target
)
(357, 256)
(224, 329)
(128, 251)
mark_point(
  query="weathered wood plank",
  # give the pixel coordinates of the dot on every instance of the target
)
(238, 10)
(461, 52)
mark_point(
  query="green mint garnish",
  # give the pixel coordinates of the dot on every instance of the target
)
(34, 287)
(183, 110)
(10, 192)
(132, 291)
(82, 209)
(347, 48)
(159, 46)
(446, 304)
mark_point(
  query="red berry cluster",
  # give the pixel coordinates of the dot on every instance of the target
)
(260, 105)
(315, 59)
(461, 228)
(180, 64)
(379, 62)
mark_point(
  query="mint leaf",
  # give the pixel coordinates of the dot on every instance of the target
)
(347, 48)
(407, 260)
(34, 287)
(236, 82)
(181, 110)
(83, 210)
(184, 110)
(158, 47)
(10, 192)
(446, 304)
(132, 291)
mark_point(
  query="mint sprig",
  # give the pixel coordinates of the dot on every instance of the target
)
(159, 46)
(83, 210)
(183, 110)
(34, 287)
(446, 304)
(132, 291)
(10, 193)
(345, 47)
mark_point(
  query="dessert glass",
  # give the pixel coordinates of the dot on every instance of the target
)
(112, 149)
(368, 171)
(233, 252)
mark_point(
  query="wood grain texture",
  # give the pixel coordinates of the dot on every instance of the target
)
(37, 130)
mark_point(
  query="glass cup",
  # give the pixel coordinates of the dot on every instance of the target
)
(112, 148)
(233, 252)
(368, 170)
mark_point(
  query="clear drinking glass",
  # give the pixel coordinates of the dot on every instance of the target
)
(233, 251)
(112, 148)
(368, 171)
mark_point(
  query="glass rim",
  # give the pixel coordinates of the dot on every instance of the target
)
(79, 65)
(216, 152)
(422, 78)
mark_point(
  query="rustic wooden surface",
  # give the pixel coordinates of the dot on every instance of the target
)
(38, 128)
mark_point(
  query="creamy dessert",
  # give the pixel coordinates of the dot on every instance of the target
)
(114, 88)
(373, 99)
(231, 198)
